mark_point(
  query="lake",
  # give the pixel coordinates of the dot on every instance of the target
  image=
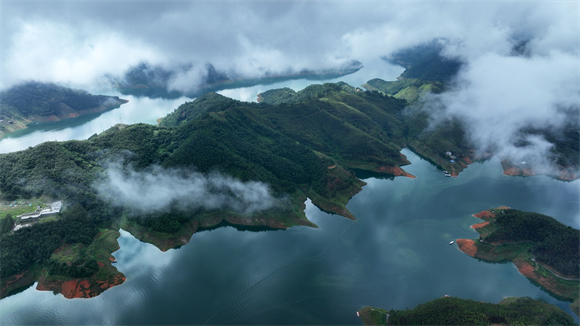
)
(395, 255)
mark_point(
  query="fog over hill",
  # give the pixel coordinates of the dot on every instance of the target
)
(521, 59)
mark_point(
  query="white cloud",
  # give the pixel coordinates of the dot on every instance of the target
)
(157, 189)
(50, 51)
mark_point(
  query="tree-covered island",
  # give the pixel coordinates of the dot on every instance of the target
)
(457, 311)
(544, 250)
(34, 101)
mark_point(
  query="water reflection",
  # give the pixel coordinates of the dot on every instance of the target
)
(137, 110)
(395, 255)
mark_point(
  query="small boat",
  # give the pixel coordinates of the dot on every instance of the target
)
(452, 242)
(447, 174)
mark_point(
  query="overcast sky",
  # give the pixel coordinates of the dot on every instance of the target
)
(76, 43)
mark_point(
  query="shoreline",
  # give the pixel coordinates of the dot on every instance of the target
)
(519, 255)
(23, 122)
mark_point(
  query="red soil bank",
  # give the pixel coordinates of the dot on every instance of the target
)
(80, 288)
(395, 170)
(480, 225)
(484, 215)
(511, 171)
(524, 268)
(467, 246)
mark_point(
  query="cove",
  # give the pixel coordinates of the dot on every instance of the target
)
(396, 255)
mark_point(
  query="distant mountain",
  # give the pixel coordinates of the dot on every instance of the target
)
(154, 81)
(408, 89)
(426, 62)
(35, 101)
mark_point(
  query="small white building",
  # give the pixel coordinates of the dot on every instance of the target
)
(53, 210)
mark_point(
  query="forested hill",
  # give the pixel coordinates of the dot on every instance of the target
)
(406, 127)
(35, 101)
(304, 149)
(290, 147)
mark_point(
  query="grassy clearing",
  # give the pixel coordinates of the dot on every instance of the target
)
(373, 316)
(504, 252)
(69, 253)
(16, 210)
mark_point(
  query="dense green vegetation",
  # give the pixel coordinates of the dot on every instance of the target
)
(456, 311)
(35, 244)
(287, 95)
(556, 244)
(45, 99)
(289, 147)
(21, 104)
(409, 89)
(6, 224)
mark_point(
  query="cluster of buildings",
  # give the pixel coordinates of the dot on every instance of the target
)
(53, 210)
(451, 156)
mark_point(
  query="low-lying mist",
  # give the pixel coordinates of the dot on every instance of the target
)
(508, 103)
(157, 190)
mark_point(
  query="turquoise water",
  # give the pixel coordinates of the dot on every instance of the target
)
(395, 255)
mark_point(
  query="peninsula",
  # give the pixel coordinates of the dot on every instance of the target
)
(543, 249)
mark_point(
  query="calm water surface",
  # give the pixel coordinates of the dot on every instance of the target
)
(396, 255)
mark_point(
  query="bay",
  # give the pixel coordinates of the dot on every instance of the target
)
(395, 255)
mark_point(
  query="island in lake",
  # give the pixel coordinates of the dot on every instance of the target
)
(36, 102)
(456, 311)
(544, 250)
